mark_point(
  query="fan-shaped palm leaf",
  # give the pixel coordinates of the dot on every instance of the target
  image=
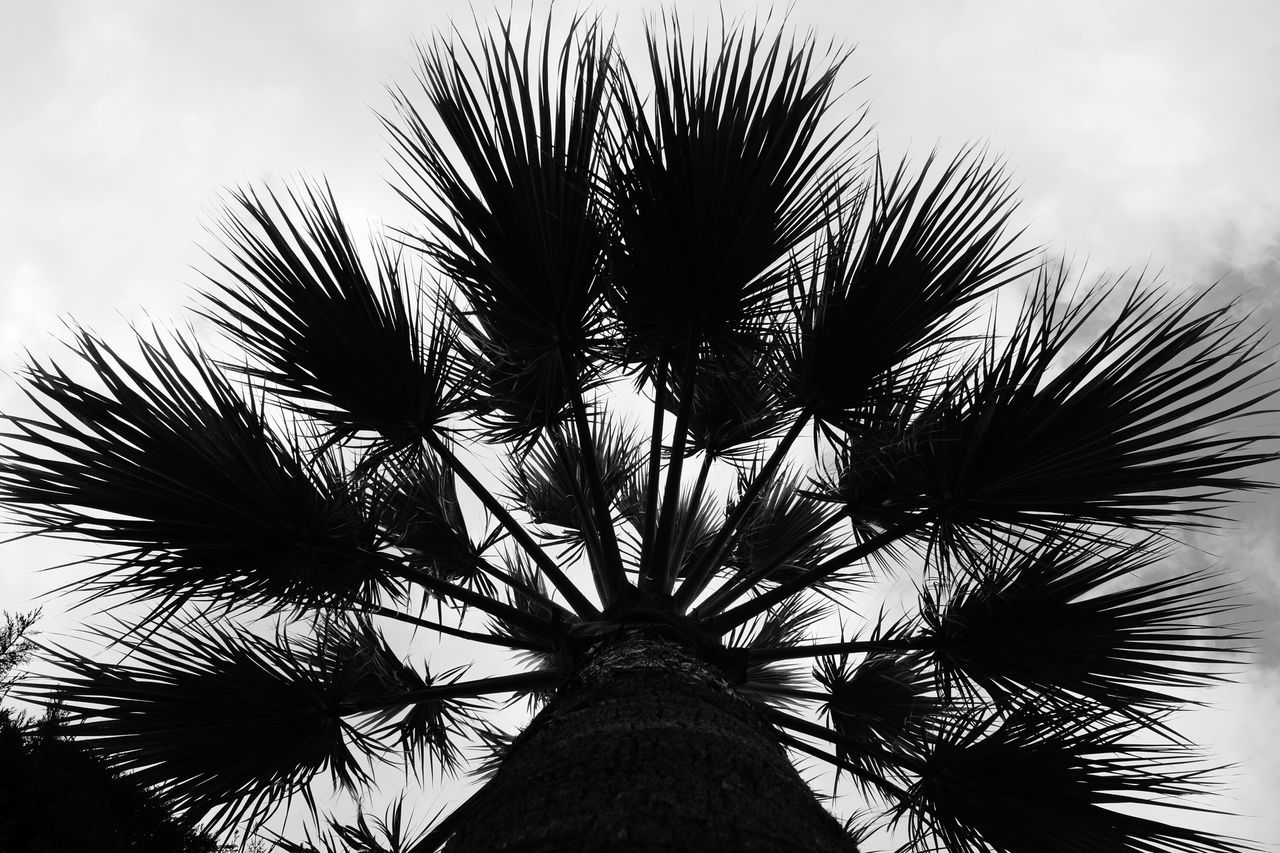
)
(783, 532)
(221, 719)
(551, 482)
(716, 179)
(346, 351)
(881, 705)
(217, 719)
(893, 275)
(387, 834)
(1129, 432)
(785, 625)
(734, 406)
(429, 730)
(516, 218)
(1036, 784)
(421, 515)
(184, 475)
(1036, 617)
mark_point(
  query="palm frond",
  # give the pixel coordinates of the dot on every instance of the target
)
(695, 519)
(345, 350)
(215, 718)
(716, 179)
(787, 624)
(550, 481)
(1133, 431)
(1044, 618)
(187, 478)
(893, 275)
(516, 215)
(865, 471)
(429, 731)
(734, 406)
(783, 533)
(1040, 784)
(879, 706)
(540, 657)
(422, 517)
(390, 833)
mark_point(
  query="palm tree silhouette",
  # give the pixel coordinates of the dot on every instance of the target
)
(660, 377)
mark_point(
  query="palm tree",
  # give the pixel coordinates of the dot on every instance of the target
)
(659, 378)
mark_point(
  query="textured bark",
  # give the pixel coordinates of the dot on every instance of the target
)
(647, 748)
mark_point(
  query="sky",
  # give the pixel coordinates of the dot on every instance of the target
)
(1141, 135)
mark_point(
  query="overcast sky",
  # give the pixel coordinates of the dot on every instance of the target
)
(1141, 134)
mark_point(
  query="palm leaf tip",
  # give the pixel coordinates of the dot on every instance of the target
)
(784, 626)
(425, 730)
(551, 480)
(418, 512)
(881, 702)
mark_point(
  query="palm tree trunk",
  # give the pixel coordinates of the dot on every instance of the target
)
(647, 748)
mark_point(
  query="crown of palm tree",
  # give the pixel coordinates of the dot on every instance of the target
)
(802, 332)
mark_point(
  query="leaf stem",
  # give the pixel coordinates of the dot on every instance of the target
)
(540, 626)
(743, 613)
(660, 572)
(610, 576)
(655, 467)
(490, 639)
(579, 602)
(537, 680)
(853, 646)
(798, 724)
(697, 579)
